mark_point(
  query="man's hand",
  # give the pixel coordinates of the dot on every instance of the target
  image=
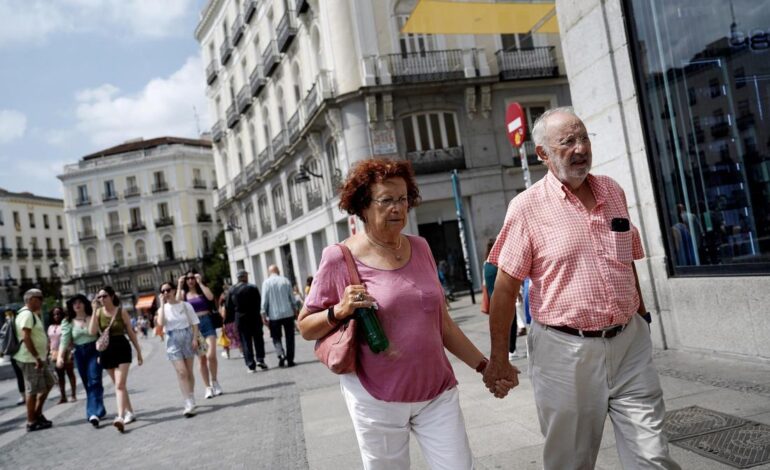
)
(500, 377)
(39, 364)
(265, 320)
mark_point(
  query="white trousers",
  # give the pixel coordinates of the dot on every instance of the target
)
(578, 381)
(382, 429)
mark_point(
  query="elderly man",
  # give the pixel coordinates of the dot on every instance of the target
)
(278, 311)
(32, 357)
(243, 300)
(590, 349)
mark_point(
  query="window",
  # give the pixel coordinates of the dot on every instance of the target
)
(85, 222)
(16, 220)
(430, 131)
(264, 214)
(109, 189)
(168, 247)
(141, 254)
(45, 221)
(114, 220)
(23, 273)
(713, 190)
(33, 243)
(414, 43)
(38, 273)
(117, 254)
(82, 194)
(2, 242)
(58, 222)
(31, 220)
(201, 206)
(19, 242)
(279, 204)
(136, 216)
(1, 218)
(206, 243)
(48, 245)
(61, 244)
(163, 210)
(196, 176)
(512, 42)
(131, 182)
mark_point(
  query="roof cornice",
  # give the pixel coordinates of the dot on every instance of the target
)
(208, 15)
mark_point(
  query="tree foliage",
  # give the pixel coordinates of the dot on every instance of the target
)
(216, 267)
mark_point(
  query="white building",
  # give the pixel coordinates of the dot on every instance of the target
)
(139, 213)
(307, 87)
(33, 242)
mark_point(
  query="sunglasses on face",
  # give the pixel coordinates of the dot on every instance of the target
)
(100, 297)
(165, 291)
(190, 278)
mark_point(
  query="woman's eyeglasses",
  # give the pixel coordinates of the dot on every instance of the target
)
(165, 291)
(100, 297)
(390, 202)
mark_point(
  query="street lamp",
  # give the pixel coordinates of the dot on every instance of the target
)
(304, 174)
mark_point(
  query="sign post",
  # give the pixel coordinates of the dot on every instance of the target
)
(461, 228)
(516, 128)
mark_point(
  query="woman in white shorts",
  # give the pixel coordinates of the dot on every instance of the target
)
(180, 324)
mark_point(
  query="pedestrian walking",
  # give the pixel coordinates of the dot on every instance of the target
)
(410, 386)
(191, 289)
(116, 358)
(32, 358)
(10, 317)
(244, 301)
(75, 331)
(278, 311)
(66, 366)
(230, 336)
(180, 323)
(590, 350)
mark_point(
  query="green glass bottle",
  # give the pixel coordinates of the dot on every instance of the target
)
(371, 329)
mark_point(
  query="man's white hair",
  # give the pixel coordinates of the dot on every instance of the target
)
(32, 293)
(541, 123)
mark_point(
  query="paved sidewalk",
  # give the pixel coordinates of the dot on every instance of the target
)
(295, 418)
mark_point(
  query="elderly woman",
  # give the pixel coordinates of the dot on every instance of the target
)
(411, 385)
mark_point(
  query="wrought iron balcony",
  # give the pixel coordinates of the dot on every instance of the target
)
(159, 187)
(257, 80)
(320, 91)
(114, 230)
(5, 253)
(265, 158)
(37, 253)
(249, 8)
(287, 30)
(222, 195)
(517, 64)
(244, 99)
(240, 183)
(136, 226)
(225, 51)
(86, 234)
(109, 197)
(83, 201)
(211, 72)
(237, 30)
(50, 253)
(92, 268)
(203, 217)
(131, 191)
(164, 221)
(233, 116)
(251, 171)
(270, 58)
(427, 66)
(199, 183)
(217, 131)
(301, 6)
(279, 144)
(437, 160)
(64, 252)
(293, 125)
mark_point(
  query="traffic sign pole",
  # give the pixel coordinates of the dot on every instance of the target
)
(525, 166)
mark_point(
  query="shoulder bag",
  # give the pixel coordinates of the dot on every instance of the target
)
(337, 350)
(202, 346)
(104, 337)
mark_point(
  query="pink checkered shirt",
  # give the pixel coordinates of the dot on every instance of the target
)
(581, 271)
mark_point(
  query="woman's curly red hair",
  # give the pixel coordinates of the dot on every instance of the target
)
(356, 191)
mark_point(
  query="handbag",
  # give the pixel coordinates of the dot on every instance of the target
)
(203, 347)
(337, 350)
(104, 337)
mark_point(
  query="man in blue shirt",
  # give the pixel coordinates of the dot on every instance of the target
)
(279, 311)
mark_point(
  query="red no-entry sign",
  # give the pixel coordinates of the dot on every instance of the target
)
(515, 124)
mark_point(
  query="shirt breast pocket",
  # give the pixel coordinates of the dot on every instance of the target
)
(620, 247)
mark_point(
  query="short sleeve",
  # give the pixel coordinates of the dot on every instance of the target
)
(66, 335)
(329, 281)
(191, 313)
(25, 320)
(512, 251)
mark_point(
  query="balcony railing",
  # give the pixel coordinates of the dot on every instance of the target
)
(287, 30)
(425, 66)
(113, 230)
(86, 234)
(109, 197)
(239, 183)
(301, 6)
(296, 209)
(83, 201)
(251, 171)
(237, 30)
(92, 268)
(211, 72)
(232, 116)
(293, 125)
(279, 144)
(64, 252)
(199, 183)
(136, 226)
(538, 62)
(265, 158)
(37, 253)
(164, 221)
(222, 195)
(131, 191)
(217, 131)
(257, 80)
(5, 252)
(244, 99)
(203, 217)
(249, 8)
(437, 161)
(320, 91)
(270, 58)
(159, 187)
(225, 51)
(50, 253)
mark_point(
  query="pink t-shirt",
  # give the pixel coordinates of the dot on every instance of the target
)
(414, 367)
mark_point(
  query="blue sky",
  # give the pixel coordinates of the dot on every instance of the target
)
(82, 75)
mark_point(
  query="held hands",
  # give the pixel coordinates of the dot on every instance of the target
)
(39, 364)
(500, 377)
(354, 297)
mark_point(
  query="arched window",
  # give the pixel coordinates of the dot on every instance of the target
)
(92, 261)
(251, 223)
(117, 254)
(279, 204)
(141, 253)
(334, 164)
(295, 197)
(266, 128)
(281, 108)
(314, 186)
(264, 213)
(297, 84)
(315, 45)
(253, 141)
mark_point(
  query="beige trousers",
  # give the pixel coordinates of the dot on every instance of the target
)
(578, 381)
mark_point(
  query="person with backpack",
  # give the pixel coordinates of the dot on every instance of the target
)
(32, 357)
(9, 342)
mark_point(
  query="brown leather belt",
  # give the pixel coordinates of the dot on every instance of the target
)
(608, 333)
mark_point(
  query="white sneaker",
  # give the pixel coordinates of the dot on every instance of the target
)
(209, 392)
(217, 389)
(118, 423)
(512, 356)
(225, 355)
(189, 408)
(129, 417)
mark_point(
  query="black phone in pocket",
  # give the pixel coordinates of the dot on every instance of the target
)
(620, 224)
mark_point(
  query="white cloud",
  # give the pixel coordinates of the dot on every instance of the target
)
(164, 107)
(13, 124)
(24, 21)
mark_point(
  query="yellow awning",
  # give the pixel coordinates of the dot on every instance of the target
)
(448, 17)
(145, 302)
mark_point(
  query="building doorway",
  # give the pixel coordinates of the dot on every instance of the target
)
(444, 241)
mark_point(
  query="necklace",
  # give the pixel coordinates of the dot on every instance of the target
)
(390, 249)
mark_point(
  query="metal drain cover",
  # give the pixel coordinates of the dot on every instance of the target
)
(742, 447)
(694, 421)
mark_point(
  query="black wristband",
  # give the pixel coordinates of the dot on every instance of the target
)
(330, 318)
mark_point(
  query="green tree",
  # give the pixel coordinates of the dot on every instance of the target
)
(216, 267)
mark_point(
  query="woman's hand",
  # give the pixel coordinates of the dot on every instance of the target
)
(198, 278)
(95, 304)
(354, 297)
(139, 359)
(60, 362)
(195, 344)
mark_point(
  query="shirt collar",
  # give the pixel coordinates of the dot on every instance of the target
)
(597, 187)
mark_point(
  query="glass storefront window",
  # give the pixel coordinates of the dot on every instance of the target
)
(703, 75)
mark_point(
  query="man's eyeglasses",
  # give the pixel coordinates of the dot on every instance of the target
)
(570, 142)
(390, 202)
(165, 291)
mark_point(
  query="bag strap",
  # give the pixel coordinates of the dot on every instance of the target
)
(101, 309)
(352, 270)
